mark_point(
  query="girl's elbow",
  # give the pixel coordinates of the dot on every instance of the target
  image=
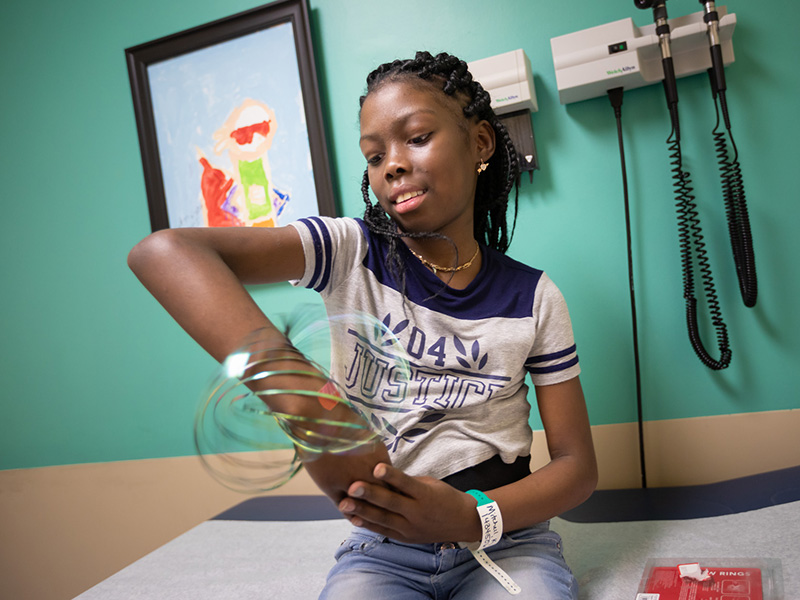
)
(590, 478)
(136, 256)
(147, 252)
(591, 483)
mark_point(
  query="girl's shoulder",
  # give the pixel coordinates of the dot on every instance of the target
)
(330, 225)
(333, 247)
(528, 288)
(502, 266)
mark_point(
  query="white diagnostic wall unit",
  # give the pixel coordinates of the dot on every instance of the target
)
(588, 63)
(509, 80)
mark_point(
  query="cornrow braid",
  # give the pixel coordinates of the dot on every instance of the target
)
(494, 184)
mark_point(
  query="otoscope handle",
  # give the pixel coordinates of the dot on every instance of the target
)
(670, 86)
(711, 19)
(718, 67)
(717, 71)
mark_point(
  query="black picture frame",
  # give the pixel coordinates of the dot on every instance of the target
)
(142, 57)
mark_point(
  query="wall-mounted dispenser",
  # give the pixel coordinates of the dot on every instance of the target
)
(509, 80)
(590, 62)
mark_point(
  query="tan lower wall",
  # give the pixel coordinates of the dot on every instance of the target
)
(64, 529)
(710, 449)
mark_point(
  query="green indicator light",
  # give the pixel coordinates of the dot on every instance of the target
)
(618, 47)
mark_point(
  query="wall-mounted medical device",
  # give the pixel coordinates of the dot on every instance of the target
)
(612, 58)
(590, 62)
(509, 80)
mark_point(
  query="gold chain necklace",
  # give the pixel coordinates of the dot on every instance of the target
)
(433, 267)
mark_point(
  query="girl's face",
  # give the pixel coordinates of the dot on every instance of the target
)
(422, 157)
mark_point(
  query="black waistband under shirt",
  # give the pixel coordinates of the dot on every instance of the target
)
(490, 474)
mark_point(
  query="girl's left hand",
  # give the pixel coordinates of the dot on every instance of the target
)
(413, 510)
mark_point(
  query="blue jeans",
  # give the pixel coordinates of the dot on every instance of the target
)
(373, 567)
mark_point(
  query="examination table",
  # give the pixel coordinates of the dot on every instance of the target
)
(281, 547)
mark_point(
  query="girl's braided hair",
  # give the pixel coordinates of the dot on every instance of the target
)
(494, 184)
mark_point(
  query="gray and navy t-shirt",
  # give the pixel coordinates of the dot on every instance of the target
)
(448, 389)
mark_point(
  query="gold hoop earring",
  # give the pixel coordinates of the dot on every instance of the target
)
(482, 167)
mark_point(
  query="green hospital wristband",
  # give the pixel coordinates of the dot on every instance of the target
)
(480, 497)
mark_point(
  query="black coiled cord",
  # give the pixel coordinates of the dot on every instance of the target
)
(693, 251)
(735, 202)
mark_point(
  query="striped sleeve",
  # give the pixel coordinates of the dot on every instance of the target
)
(332, 247)
(554, 356)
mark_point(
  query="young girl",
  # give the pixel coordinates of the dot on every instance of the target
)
(427, 260)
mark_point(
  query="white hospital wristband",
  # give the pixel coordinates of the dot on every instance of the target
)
(491, 533)
(491, 520)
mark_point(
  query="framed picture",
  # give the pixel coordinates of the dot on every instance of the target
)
(230, 124)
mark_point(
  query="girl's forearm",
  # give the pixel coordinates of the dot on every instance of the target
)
(562, 484)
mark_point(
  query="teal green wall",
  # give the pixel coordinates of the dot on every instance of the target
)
(93, 369)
